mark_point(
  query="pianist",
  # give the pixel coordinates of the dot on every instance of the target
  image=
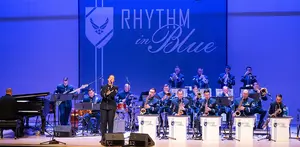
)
(8, 105)
(65, 106)
(92, 98)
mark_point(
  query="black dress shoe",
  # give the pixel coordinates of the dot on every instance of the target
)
(102, 142)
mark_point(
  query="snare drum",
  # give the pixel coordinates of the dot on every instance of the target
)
(121, 107)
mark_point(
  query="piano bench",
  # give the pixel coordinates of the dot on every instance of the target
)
(10, 124)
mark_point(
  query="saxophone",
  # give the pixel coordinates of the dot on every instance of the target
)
(206, 106)
(143, 110)
(277, 111)
(238, 112)
(180, 111)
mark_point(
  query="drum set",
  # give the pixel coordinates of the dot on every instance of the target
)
(128, 111)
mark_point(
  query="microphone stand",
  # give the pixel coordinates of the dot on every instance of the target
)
(52, 141)
(230, 131)
(268, 137)
(195, 117)
(298, 127)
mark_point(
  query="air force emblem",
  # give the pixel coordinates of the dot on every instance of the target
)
(99, 25)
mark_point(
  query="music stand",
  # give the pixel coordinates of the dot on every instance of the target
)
(298, 127)
(225, 101)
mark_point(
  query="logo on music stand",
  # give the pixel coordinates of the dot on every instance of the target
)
(172, 123)
(205, 123)
(275, 125)
(142, 122)
(239, 124)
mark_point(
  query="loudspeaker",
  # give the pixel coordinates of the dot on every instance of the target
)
(114, 139)
(63, 131)
(140, 139)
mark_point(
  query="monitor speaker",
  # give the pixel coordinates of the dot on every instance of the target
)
(140, 139)
(114, 139)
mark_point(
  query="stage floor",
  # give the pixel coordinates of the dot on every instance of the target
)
(94, 141)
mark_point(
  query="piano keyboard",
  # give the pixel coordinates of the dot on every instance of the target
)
(28, 111)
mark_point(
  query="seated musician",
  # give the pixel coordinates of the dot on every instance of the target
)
(201, 80)
(256, 94)
(123, 96)
(151, 103)
(176, 79)
(209, 105)
(95, 113)
(225, 109)
(180, 104)
(195, 103)
(65, 106)
(244, 106)
(226, 79)
(166, 91)
(8, 108)
(275, 106)
(248, 79)
(123, 101)
(165, 100)
(195, 99)
(277, 109)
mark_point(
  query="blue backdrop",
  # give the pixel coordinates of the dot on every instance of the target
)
(144, 41)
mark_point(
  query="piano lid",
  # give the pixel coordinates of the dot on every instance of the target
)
(32, 95)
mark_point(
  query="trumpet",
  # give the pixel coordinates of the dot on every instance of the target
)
(168, 94)
(263, 92)
(238, 112)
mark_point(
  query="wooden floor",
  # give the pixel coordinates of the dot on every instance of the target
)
(94, 141)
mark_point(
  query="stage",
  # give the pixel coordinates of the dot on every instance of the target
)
(94, 141)
(33, 140)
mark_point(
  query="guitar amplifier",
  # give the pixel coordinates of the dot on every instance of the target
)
(63, 131)
(119, 126)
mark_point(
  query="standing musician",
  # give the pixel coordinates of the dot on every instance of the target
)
(226, 109)
(258, 96)
(151, 103)
(176, 79)
(226, 79)
(92, 98)
(209, 105)
(180, 105)
(248, 79)
(201, 80)
(108, 107)
(244, 106)
(65, 106)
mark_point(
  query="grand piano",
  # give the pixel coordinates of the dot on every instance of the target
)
(34, 104)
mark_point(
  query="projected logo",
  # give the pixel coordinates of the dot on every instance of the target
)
(99, 25)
